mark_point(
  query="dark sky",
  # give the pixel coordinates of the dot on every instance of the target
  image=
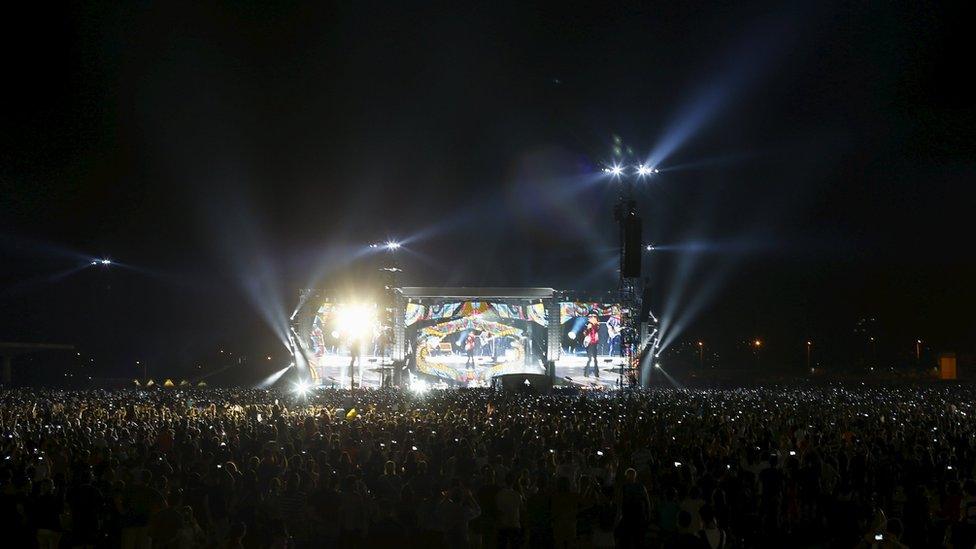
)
(819, 166)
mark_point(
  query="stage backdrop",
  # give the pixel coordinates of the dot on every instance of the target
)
(468, 342)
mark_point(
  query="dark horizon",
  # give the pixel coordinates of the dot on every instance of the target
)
(815, 166)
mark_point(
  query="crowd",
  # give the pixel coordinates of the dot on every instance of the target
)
(781, 466)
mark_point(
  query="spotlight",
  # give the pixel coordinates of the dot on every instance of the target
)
(572, 335)
(301, 388)
(616, 170)
(643, 170)
(657, 365)
(649, 247)
(418, 386)
(355, 321)
(392, 245)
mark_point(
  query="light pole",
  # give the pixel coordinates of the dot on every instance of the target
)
(701, 354)
(758, 345)
(918, 350)
(809, 344)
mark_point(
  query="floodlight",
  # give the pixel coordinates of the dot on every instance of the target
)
(616, 170)
(643, 170)
(418, 386)
(355, 321)
(392, 245)
(106, 262)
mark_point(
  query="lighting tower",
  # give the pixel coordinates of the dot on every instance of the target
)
(626, 175)
(392, 321)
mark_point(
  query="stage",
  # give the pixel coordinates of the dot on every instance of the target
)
(460, 337)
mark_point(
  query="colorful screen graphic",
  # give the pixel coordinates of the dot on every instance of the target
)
(467, 343)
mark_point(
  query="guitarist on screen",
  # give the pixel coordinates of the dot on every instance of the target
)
(469, 348)
(591, 338)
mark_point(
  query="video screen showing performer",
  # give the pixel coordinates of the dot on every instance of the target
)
(590, 339)
(347, 346)
(468, 343)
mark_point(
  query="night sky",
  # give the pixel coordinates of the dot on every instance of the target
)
(817, 165)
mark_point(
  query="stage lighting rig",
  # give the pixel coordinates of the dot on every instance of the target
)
(640, 171)
(628, 173)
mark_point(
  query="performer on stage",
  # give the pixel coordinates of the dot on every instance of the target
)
(484, 340)
(469, 343)
(613, 332)
(354, 350)
(591, 338)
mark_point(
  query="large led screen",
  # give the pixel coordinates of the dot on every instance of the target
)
(590, 337)
(347, 344)
(467, 343)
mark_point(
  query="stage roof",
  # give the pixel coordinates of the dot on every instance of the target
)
(479, 293)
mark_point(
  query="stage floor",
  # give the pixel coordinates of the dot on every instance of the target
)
(569, 369)
(333, 371)
(369, 370)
